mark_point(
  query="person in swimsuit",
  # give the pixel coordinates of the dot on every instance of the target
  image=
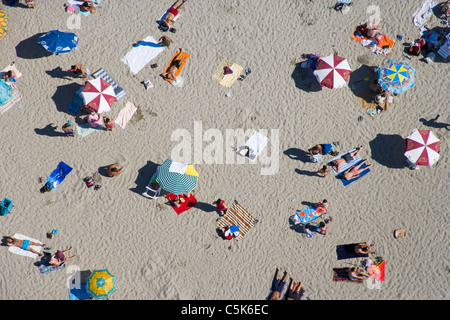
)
(295, 294)
(355, 171)
(357, 274)
(373, 32)
(108, 122)
(165, 41)
(78, 69)
(335, 164)
(278, 285)
(168, 20)
(88, 6)
(364, 248)
(60, 257)
(113, 170)
(174, 66)
(9, 76)
(67, 128)
(323, 149)
(23, 244)
(31, 4)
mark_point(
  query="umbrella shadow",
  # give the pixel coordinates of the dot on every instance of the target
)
(359, 82)
(305, 79)
(50, 130)
(16, 4)
(297, 154)
(388, 150)
(64, 95)
(144, 176)
(432, 123)
(31, 49)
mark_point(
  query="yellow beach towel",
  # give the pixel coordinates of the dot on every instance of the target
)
(227, 80)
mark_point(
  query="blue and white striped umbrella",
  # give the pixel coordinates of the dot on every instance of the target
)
(177, 178)
(58, 41)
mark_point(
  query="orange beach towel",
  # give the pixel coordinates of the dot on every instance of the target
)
(184, 55)
(358, 36)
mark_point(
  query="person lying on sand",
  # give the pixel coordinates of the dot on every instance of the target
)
(31, 4)
(113, 170)
(60, 257)
(23, 244)
(88, 6)
(174, 66)
(278, 285)
(357, 274)
(364, 248)
(297, 293)
(373, 32)
(355, 171)
(336, 164)
(168, 20)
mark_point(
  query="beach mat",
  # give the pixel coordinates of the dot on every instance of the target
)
(25, 253)
(142, 53)
(362, 174)
(187, 204)
(13, 102)
(58, 175)
(227, 80)
(118, 90)
(374, 46)
(308, 214)
(347, 251)
(341, 275)
(125, 115)
(347, 165)
(184, 55)
(238, 216)
(46, 268)
(86, 129)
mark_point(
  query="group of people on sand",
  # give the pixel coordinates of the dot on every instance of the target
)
(86, 6)
(294, 292)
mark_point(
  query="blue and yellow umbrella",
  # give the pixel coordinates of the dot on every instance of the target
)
(396, 76)
(101, 284)
(177, 178)
(3, 23)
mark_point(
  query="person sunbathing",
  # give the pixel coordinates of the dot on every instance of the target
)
(373, 32)
(31, 4)
(174, 10)
(67, 128)
(295, 294)
(88, 6)
(78, 69)
(113, 170)
(348, 157)
(176, 202)
(357, 274)
(364, 248)
(9, 76)
(23, 244)
(60, 257)
(355, 171)
(174, 66)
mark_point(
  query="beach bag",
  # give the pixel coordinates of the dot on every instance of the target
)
(90, 182)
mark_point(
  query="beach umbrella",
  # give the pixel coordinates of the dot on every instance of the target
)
(58, 41)
(3, 23)
(396, 76)
(5, 92)
(101, 284)
(422, 148)
(98, 95)
(332, 71)
(177, 178)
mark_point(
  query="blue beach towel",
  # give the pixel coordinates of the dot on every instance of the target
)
(347, 182)
(57, 176)
(46, 268)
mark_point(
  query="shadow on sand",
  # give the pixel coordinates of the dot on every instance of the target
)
(388, 150)
(305, 79)
(64, 95)
(31, 49)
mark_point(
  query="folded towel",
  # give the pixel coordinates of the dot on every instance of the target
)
(125, 115)
(26, 253)
(421, 16)
(144, 52)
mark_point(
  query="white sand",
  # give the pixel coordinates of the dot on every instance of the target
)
(157, 254)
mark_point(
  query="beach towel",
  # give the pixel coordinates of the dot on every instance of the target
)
(144, 52)
(227, 80)
(254, 146)
(11, 67)
(347, 165)
(47, 268)
(238, 216)
(444, 50)
(77, 101)
(362, 174)
(308, 214)
(421, 16)
(57, 176)
(374, 46)
(186, 204)
(26, 253)
(125, 115)
(77, 4)
(341, 275)
(86, 129)
(118, 90)
(347, 251)
(13, 102)
(184, 55)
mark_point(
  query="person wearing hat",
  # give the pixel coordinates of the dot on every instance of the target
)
(231, 232)
(67, 128)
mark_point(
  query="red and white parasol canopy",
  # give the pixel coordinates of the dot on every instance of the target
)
(422, 148)
(332, 71)
(98, 95)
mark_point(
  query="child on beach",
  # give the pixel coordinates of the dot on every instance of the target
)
(323, 171)
(108, 122)
(23, 244)
(220, 204)
(67, 128)
(78, 69)
(323, 204)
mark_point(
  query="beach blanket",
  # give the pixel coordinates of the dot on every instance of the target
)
(347, 165)
(373, 109)
(47, 268)
(142, 53)
(86, 129)
(77, 4)
(77, 101)
(57, 176)
(186, 203)
(227, 80)
(362, 174)
(347, 251)
(13, 102)
(383, 46)
(341, 275)
(254, 146)
(11, 67)
(125, 115)
(421, 16)
(118, 90)
(238, 216)
(26, 253)
(308, 214)
(184, 55)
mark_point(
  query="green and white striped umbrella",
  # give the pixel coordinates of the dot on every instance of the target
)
(177, 178)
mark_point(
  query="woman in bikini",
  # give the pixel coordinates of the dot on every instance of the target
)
(357, 274)
(88, 6)
(23, 244)
(174, 66)
(60, 257)
(355, 171)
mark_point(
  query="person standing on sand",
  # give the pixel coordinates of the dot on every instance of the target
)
(220, 204)
(67, 128)
(323, 171)
(78, 69)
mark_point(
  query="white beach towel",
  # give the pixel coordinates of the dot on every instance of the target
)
(178, 82)
(421, 16)
(256, 143)
(26, 253)
(178, 167)
(86, 129)
(125, 115)
(144, 52)
(13, 68)
(347, 165)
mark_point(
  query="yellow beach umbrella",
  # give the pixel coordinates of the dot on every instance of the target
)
(3, 23)
(101, 284)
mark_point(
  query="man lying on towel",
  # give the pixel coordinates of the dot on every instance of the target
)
(168, 20)
(175, 65)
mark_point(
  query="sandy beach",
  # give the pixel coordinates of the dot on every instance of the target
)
(157, 254)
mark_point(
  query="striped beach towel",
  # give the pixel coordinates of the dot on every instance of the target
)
(13, 102)
(347, 165)
(46, 268)
(238, 216)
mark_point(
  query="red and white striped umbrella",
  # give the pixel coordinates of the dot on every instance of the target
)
(422, 148)
(332, 71)
(98, 95)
